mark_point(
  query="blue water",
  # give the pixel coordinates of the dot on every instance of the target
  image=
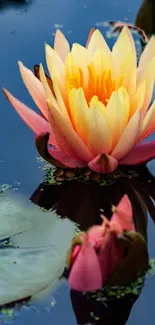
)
(24, 27)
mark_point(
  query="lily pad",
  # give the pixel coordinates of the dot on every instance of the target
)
(38, 256)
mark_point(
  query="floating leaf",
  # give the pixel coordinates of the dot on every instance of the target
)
(40, 256)
(23, 272)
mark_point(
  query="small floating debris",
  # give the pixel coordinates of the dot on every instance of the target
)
(58, 26)
(102, 24)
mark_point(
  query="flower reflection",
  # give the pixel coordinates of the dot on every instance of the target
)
(4, 4)
(84, 202)
(95, 110)
(93, 311)
(112, 253)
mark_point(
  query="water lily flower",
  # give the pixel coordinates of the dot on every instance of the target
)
(96, 109)
(112, 253)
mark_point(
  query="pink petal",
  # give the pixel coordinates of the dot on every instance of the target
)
(85, 274)
(103, 164)
(33, 120)
(75, 253)
(142, 153)
(95, 235)
(110, 255)
(68, 140)
(123, 216)
(69, 161)
(54, 155)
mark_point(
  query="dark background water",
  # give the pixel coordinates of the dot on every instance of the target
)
(24, 27)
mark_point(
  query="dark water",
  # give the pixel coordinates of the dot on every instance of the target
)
(24, 27)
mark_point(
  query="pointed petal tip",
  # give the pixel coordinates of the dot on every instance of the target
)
(20, 63)
(103, 164)
(6, 93)
(123, 215)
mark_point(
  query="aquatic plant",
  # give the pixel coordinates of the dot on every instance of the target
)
(96, 108)
(110, 254)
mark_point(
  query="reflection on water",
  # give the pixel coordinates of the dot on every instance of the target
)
(4, 4)
(93, 312)
(83, 202)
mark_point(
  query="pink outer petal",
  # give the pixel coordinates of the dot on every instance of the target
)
(123, 216)
(110, 255)
(66, 160)
(95, 235)
(33, 120)
(85, 274)
(103, 164)
(142, 153)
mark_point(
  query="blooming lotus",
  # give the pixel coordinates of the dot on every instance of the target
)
(96, 109)
(112, 253)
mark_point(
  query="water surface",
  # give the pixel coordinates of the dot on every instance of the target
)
(24, 27)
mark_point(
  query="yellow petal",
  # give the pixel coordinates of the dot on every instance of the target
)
(73, 76)
(148, 123)
(148, 76)
(56, 68)
(100, 105)
(99, 133)
(101, 62)
(97, 42)
(61, 45)
(81, 57)
(138, 101)
(35, 88)
(49, 94)
(54, 63)
(129, 137)
(125, 62)
(80, 54)
(60, 101)
(68, 140)
(148, 53)
(79, 112)
(117, 113)
(92, 30)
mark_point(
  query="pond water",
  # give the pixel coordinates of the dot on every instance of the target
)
(24, 27)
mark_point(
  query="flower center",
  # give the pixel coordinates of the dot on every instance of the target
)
(96, 85)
